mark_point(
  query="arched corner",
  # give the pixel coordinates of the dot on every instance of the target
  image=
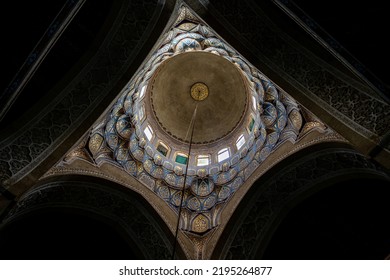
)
(85, 208)
(283, 188)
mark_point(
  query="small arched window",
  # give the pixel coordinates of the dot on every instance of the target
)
(240, 141)
(141, 113)
(223, 154)
(148, 132)
(251, 124)
(254, 103)
(162, 148)
(142, 92)
(181, 158)
(203, 160)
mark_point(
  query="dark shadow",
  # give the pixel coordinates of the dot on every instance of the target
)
(348, 220)
(55, 233)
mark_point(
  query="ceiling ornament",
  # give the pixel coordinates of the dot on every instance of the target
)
(120, 139)
(199, 91)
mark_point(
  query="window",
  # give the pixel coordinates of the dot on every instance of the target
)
(181, 158)
(141, 113)
(162, 148)
(223, 154)
(142, 93)
(203, 160)
(251, 124)
(148, 132)
(240, 141)
(254, 103)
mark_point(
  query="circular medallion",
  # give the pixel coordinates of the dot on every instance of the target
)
(199, 91)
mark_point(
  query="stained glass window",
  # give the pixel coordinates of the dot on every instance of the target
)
(251, 124)
(163, 149)
(181, 158)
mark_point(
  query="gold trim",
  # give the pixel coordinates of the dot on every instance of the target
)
(199, 91)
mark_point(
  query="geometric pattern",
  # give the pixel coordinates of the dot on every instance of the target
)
(120, 139)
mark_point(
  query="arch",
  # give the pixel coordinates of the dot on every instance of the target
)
(62, 232)
(282, 188)
(344, 221)
(121, 210)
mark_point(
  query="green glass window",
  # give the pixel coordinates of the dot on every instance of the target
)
(180, 158)
(251, 124)
(162, 149)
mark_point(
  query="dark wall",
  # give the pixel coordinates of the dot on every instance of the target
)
(321, 203)
(59, 233)
(348, 220)
(81, 217)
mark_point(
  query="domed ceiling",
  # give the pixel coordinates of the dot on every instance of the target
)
(218, 114)
(195, 86)
(240, 117)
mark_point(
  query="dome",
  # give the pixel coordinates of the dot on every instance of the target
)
(173, 106)
(239, 117)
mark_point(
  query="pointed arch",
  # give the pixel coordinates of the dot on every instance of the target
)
(263, 208)
(124, 211)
